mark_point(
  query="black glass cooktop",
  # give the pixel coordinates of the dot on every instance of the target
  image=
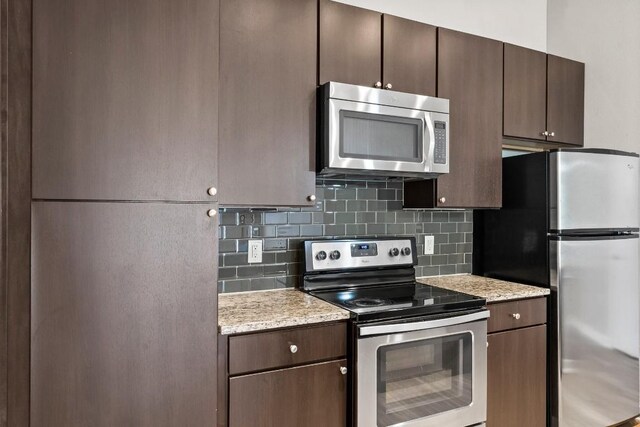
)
(398, 300)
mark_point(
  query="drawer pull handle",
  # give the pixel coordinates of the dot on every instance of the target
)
(293, 348)
(516, 316)
(343, 370)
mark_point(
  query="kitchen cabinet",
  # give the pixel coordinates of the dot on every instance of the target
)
(268, 66)
(565, 100)
(262, 373)
(363, 47)
(543, 97)
(517, 364)
(125, 100)
(470, 76)
(123, 314)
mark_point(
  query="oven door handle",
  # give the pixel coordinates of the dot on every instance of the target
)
(419, 326)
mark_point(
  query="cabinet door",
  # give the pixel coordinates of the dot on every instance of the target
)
(125, 99)
(470, 76)
(516, 378)
(310, 396)
(123, 314)
(409, 60)
(267, 87)
(350, 44)
(525, 93)
(565, 100)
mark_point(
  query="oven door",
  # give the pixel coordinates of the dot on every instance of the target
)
(423, 373)
(369, 138)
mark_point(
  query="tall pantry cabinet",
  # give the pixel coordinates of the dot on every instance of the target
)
(124, 213)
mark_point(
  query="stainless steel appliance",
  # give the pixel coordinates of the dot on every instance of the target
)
(378, 132)
(569, 222)
(418, 352)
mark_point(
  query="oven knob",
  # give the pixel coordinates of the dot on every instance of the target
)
(321, 256)
(334, 255)
(406, 251)
(394, 252)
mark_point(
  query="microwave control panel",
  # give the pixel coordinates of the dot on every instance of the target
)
(440, 146)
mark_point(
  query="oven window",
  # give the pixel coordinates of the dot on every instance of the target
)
(380, 137)
(424, 378)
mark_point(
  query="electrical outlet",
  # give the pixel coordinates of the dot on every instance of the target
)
(428, 245)
(255, 251)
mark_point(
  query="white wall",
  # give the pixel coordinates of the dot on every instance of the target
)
(605, 35)
(521, 22)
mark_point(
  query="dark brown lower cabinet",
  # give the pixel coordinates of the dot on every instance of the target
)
(287, 377)
(517, 371)
(123, 314)
(310, 395)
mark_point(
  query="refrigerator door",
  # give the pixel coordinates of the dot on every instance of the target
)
(593, 189)
(595, 317)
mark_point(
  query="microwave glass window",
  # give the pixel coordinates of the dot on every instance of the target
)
(423, 378)
(379, 137)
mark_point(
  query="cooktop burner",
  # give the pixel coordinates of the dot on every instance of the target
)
(369, 302)
(398, 300)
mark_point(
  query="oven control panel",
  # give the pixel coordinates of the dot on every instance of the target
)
(355, 254)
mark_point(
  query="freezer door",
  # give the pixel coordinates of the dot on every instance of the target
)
(594, 317)
(593, 189)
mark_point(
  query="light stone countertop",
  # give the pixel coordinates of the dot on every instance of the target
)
(261, 310)
(490, 289)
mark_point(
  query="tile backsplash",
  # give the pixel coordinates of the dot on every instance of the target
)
(343, 209)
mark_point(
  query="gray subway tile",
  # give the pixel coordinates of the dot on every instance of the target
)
(431, 227)
(448, 248)
(465, 227)
(288, 230)
(323, 218)
(274, 244)
(385, 217)
(376, 205)
(226, 273)
(250, 271)
(447, 269)
(463, 268)
(440, 216)
(346, 193)
(405, 216)
(263, 283)
(455, 259)
(238, 285)
(275, 218)
(235, 259)
(377, 184)
(345, 218)
(456, 216)
(263, 231)
(386, 194)
(438, 259)
(228, 218)
(366, 194)
(356, 205)
(227, 246)
(456, 237)
(335, 205)
(394, 205)
(299, 218)
(311, 230)
(365, 217)
(376, 229)
(448, 227)
(395, 228)
(334, 230)
(275, 269)
(356, 229)
(464, 248)
(431, 271)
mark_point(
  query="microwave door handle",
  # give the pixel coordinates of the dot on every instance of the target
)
(419, 326)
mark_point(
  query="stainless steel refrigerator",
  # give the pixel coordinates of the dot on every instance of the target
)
(570, 222)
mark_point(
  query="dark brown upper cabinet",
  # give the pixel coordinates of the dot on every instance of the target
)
(350, 49)
(125, 100)
(409, 55)
(123, 314)
(525, 97)
(268, 71)
(565, 100)
(543, 97)
(363, 47)
(470, 76)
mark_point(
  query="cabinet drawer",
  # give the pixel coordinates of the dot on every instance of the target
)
(310, 395)
(268, 350)
(517, 314)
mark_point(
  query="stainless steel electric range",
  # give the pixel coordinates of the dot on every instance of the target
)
(418, 353)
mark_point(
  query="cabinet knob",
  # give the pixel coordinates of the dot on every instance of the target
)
(442, 199)
(212, 191)
(552, 134)
(211, 213)
(516, 316)
(293, 348)
(545, 133)
(377, 84)
(343, 370)
(388, 86)
(311, 198)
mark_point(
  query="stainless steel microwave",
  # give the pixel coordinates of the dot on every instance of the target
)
(378, 132)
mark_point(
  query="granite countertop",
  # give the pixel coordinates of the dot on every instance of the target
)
(260, 310)
(490, 289)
